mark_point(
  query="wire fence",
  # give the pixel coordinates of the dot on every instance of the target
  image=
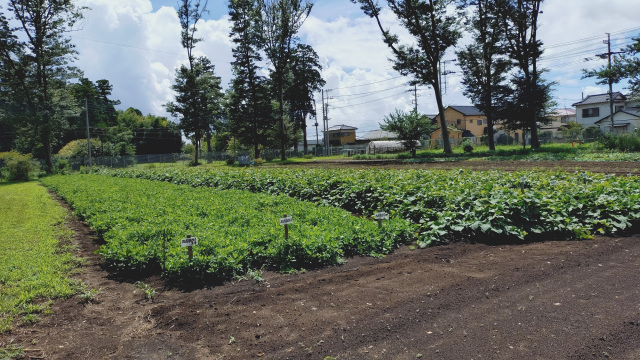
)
(246, 157)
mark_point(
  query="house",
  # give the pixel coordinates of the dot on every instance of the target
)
(559, 119)
(624, 120)
(469, 119)
(340, 135)
(455, 137)
(311, 145)
(594, 108)
(470, 122)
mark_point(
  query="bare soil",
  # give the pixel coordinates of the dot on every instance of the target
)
(552, 300)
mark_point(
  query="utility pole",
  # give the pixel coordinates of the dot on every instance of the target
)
(445, 73)
(610, 80)
(86, 107)
(325, 118)
(315, 114)
(415, 97)
(324, 125)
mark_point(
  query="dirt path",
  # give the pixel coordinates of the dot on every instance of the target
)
(555, 300)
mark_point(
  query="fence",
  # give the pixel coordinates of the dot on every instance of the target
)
(270, 154)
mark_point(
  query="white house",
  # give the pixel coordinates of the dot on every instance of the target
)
(559, 119)
(594, 108)
(624, 120)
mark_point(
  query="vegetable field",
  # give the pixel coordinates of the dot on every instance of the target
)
(143, 222)
(492, 206)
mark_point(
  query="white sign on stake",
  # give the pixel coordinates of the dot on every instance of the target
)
(381, 216)
(189, 242)
(286, 221)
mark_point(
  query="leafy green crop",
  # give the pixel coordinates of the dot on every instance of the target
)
(143, 221)
(493, 206)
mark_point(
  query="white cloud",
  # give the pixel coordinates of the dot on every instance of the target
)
(137, 48)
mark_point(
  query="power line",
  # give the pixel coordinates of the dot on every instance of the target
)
(371, 92)
(368, 102)
(125, 45)
(371, 83)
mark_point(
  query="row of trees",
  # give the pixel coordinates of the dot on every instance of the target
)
(257, 110)
(500, 71)
(45, 103)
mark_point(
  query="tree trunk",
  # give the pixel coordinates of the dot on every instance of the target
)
(283, 141)
(446, 145)
(304, 134)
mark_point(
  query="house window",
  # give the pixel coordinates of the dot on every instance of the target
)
(459, 121)
(619, 107)
(470, 121)
(479, 122)
(591, 112)
(484, 121)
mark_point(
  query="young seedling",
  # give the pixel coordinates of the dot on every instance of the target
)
(149, 291)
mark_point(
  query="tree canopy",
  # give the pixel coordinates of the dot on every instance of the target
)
(410, 127)
(434, 31)
(625, 66)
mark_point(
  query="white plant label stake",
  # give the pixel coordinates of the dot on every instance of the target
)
(379, 216)
(189, 242)
(286, 220)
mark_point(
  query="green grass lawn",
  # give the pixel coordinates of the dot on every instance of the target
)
(35, 258)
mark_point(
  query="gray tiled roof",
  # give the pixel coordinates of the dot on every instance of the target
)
(341, 127)
(467, 110)
(601, 98)
(634, 112)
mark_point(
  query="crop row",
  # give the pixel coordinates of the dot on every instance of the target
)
(142, 223)
(493, 206)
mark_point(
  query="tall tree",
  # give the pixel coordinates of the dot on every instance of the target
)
(520, 19)
(434, 31)
(305, 80)
(249, 106)
(198, 101)
(484, 63)
(46, 63)
(516, 107)
(198, 91)
(10, 53)
(281, 20)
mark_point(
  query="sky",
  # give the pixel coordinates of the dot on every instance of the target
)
(135, 45)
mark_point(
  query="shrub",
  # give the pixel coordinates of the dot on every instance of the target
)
(62, 167)
(18, 167)
(624, 142)
(308, 156)
(231, 161)
(467, 146)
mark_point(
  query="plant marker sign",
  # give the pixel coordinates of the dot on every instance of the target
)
(285, 221)
(379, 216)
(189, 242)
